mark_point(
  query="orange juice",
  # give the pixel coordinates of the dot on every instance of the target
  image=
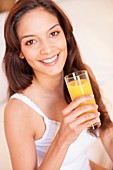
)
(79, 88)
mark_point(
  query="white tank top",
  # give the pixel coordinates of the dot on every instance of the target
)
(76, 157)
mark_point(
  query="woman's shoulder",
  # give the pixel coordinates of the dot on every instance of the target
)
(18, 118)
(18, 114)
(15, 105)
(16, 111)
(22, 110)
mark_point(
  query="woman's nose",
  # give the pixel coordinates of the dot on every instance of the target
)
(46, 48)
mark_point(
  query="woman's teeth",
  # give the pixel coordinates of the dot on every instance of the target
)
(50, 60)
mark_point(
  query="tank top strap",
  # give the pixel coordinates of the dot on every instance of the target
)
(29, 102)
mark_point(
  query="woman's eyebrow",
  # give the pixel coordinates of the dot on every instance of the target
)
(54, 26)
(26, 36)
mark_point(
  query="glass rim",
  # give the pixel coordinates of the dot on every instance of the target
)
(75, 74)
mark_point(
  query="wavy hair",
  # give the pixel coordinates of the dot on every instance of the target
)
(20, 74)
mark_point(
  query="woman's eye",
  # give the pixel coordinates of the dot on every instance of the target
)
(54, 33)
(30, 42)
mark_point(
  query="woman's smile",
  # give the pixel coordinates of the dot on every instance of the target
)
(50, 60)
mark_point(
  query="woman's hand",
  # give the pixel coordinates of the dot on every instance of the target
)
(76, 118)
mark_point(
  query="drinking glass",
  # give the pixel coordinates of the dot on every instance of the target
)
(78, 84)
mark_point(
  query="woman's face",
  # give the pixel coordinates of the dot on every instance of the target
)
(43, 43)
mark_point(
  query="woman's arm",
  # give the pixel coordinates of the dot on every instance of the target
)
(73, 123)
(20, 137)
(20, 132)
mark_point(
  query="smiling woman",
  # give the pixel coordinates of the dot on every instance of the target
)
(40, 50)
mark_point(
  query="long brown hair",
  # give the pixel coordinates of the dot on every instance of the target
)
(20, 74)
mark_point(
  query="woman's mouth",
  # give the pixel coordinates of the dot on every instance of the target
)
(50, 61)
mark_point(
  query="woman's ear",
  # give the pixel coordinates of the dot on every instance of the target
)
(21, 56)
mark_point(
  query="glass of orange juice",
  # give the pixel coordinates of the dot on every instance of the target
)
(78, 84)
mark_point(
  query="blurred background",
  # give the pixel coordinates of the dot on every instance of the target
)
(5, 5)
(93, 29)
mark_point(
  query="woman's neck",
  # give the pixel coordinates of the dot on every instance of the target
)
(49, 83)
(50, 87)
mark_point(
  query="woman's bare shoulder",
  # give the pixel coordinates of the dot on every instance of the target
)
(14, 107)
(16, 113)
(21, 117)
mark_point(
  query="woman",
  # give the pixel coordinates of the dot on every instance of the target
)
(44, 128)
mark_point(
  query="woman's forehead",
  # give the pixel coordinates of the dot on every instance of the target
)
(37, 20)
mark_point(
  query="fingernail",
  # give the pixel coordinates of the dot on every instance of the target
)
(99, 113)
(97, 119)
(92, 95)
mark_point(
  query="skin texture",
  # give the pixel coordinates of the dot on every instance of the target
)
(44, 47)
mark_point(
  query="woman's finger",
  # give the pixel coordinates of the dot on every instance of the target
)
(76, 102)
(87, 117)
